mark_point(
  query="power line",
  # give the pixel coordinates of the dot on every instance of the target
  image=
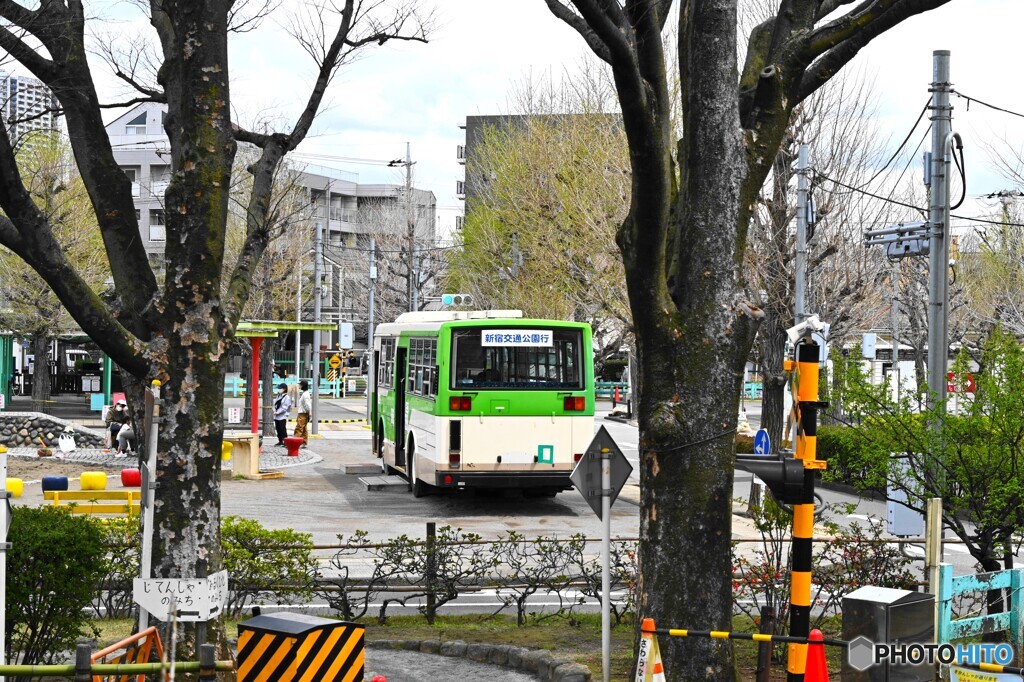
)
(985, 220)
(344, 159)
(866, 193)
(903, 144)
(985, 104)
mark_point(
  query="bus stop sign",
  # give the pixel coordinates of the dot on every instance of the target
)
(586, 476)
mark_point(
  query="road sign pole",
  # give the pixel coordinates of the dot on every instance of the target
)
(606, 561)
(148, 493)
(599, 476)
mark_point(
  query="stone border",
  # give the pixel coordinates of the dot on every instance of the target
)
(33, 422)
(540, 662)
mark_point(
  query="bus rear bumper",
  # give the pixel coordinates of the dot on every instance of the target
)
(493, 479)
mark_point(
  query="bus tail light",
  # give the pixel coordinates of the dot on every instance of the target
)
(460, 403)
(577, 457)
(574, 403)
(455, 444)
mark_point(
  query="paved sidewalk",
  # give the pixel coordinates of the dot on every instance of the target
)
(412, 666)
(271, 457)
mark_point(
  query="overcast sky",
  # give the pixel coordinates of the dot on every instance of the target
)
(416, 93)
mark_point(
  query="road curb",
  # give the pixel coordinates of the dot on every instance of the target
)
(543, 664)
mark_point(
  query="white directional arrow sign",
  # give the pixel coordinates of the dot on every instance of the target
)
(189, 599)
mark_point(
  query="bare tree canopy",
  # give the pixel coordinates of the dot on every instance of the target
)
(683, 243)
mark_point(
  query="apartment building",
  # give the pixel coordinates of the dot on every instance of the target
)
(28, 105)
(348, 213)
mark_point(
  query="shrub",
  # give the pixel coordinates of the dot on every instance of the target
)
(120, 566)
(744, 444)
(265, 565)
(54, 565)
(842, 447)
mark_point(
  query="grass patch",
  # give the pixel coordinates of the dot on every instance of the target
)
(579, 642)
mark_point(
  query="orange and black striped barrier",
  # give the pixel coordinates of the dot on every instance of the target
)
(291, 647)
(651, 669)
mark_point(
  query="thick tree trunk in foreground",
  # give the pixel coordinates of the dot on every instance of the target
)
(683, 245)
(190, 348)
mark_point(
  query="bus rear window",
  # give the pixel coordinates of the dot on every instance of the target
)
(526, 359)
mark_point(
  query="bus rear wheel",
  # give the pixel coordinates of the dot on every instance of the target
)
(416, 486)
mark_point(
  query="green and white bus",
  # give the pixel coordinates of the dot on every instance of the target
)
(482, 399)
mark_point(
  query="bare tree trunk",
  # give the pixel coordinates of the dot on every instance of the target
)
(41, 370)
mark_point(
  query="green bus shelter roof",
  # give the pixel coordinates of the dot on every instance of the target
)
(270, 328)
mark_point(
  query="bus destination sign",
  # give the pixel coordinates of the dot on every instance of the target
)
(517, 337)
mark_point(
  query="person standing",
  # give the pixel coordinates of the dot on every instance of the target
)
(305, 408)
(282, 406)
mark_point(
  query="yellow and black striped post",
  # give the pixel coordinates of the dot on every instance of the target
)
(807, 405)
(291, 647)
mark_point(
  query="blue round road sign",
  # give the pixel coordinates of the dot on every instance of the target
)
(762, 443)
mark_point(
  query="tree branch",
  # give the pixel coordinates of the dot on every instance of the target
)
(61, 30)
(839, 42)
(42, 68)
(27, 233)
(577, 23)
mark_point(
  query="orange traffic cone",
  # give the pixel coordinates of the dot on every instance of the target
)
(817, 667)
(649, 667)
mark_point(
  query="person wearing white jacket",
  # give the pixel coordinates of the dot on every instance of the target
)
(282, 407)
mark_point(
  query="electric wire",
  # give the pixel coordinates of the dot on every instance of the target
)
(960, 165)
(903, 144)
(867, 193)
(899, 150)
(985, 104)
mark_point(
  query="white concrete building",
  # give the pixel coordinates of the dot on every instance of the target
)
(346, 210)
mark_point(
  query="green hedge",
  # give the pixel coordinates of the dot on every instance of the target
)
(841, 447)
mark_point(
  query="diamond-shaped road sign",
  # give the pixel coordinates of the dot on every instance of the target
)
(587, 474)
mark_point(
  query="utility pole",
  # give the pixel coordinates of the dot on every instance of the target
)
(369, 330)
(318, 293)
(799, 302)
(410, 227)
(298, 318)
(939, 229)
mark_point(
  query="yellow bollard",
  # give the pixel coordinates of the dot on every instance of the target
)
(94, 480)
(225, 451)
(15, 486)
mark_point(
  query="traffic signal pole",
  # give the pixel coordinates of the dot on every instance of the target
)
(791, 481)
(807, 405)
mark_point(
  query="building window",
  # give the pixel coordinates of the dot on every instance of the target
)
(157, 231)
(136, 126)
(138, 215)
